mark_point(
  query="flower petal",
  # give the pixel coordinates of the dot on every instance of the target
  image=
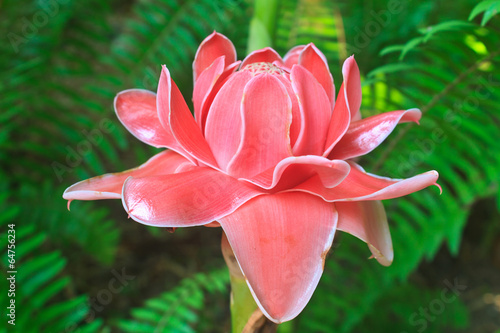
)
(367, 221)
(191, 198)
(223, 127)
(266, 54)
(109, 186)
(314, 111)
(352, 81)
(136, 110)
(315, 62)
(211, 48)
(280, 242)
(174, 114)
(292, 56)
(295, 170)
(360, 185)
(204, 85)
(296, 125)
(347, 104)
(365, 135)
(201, 116)
(339, 123)
(266, 116)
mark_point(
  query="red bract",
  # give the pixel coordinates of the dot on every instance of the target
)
(269, 156)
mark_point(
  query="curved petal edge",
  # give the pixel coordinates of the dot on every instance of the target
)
(195, 197)
(366, 134)
(367, 221)
(109, 186)
(281, 241)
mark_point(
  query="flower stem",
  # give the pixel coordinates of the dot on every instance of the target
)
(262, 25)
(245, 314)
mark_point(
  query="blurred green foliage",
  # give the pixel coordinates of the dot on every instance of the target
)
(61, 64)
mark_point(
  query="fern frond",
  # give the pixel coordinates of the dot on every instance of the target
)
(490, 8)
(177, 310)
(90, 229)
(319, 22)
(446, 310)
(40, 287)
(168, 32)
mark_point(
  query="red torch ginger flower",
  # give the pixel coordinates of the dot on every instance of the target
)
(269, 156)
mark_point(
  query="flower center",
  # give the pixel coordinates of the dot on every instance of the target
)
(257, 68)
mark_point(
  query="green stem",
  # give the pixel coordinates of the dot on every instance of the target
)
(242, 303)
(262, 25)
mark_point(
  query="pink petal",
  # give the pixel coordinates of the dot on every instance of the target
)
(204, 85)
(223, 127)
(280, 242)
(314, 110)
(174, 114)
(266, 54)
(296, 125)
(211, 48)
(136, 110)
(352, 82)
(201, 116)
(266, 112)
(315, 62)
(295, 170)
(367, 221)
(339, 123)
(292, 57)
(191, 198)
(346, 106)
(360, 185)
(109, 186)
(231, 68)
(365, 135)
